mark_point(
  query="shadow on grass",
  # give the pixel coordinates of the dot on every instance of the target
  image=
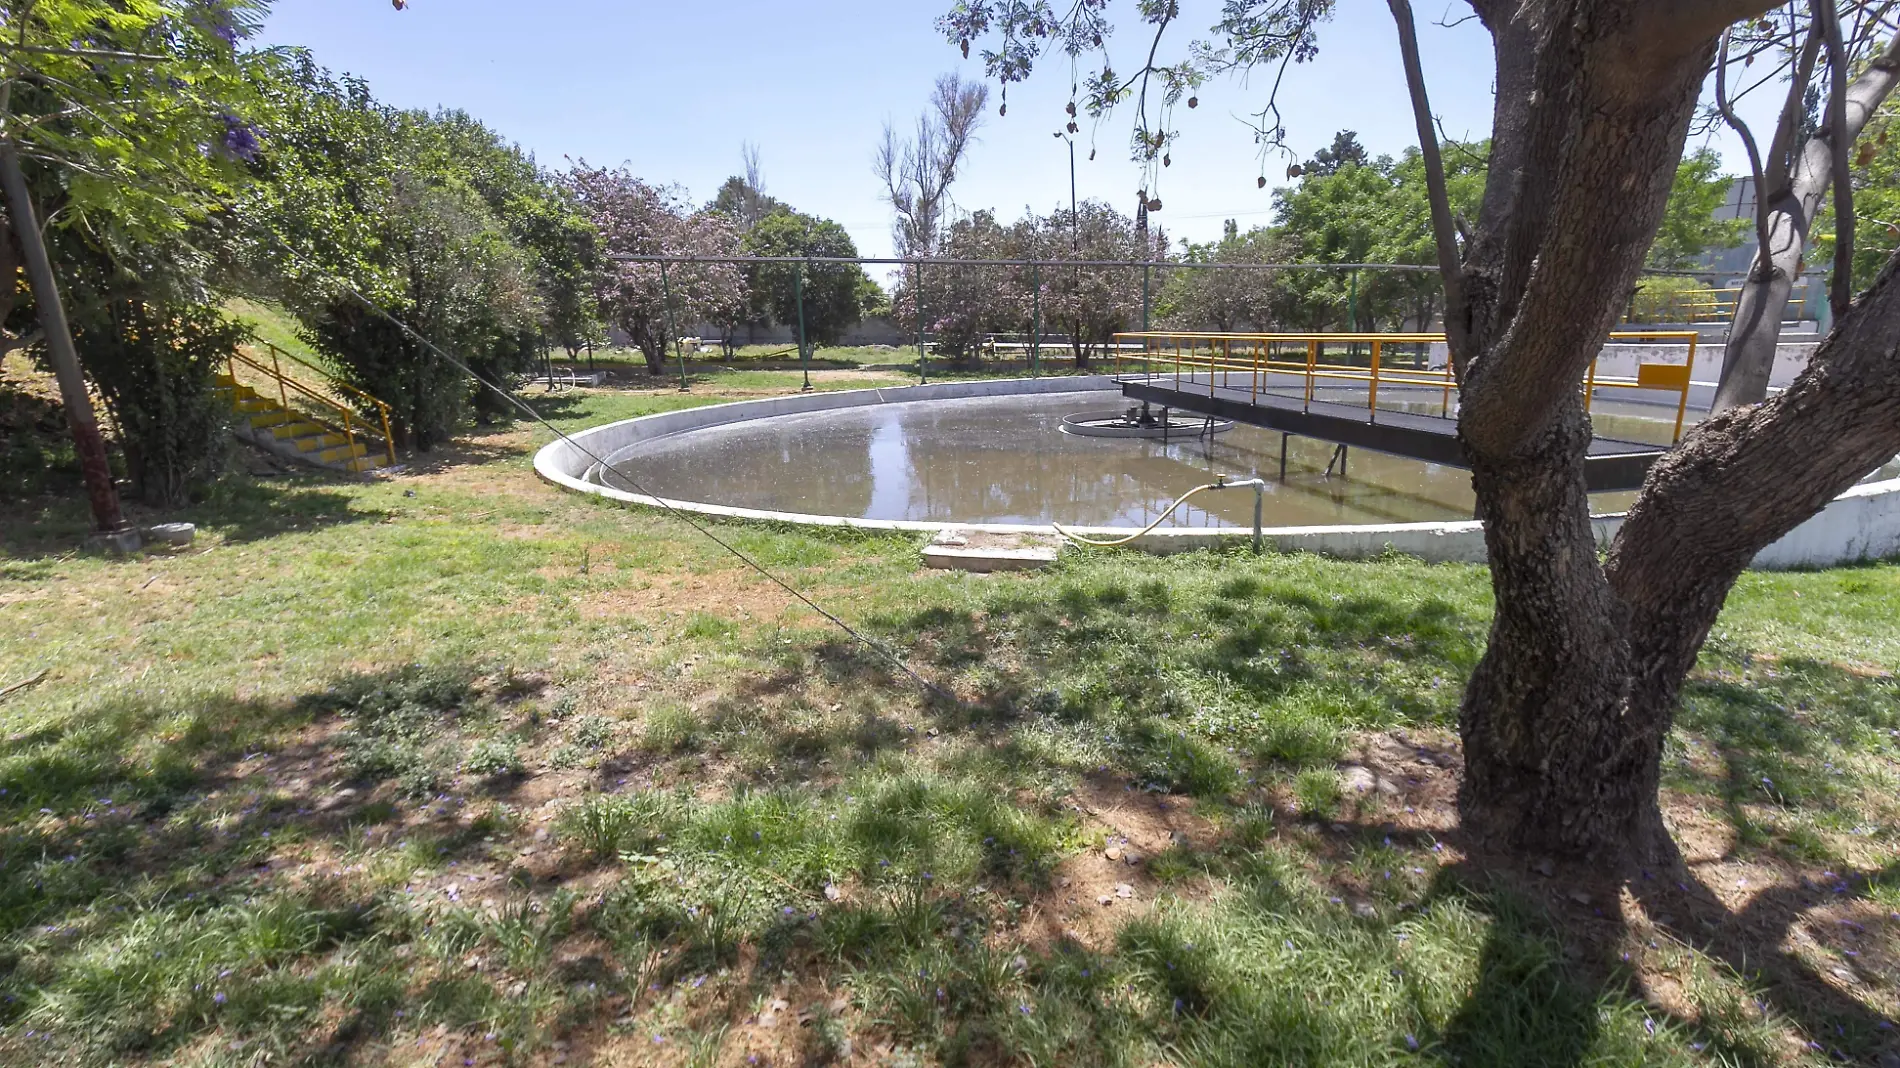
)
(161, 824)
(154, 884)
(241, 509)
(1117, 661)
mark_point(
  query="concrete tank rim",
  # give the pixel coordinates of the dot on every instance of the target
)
(547, 467)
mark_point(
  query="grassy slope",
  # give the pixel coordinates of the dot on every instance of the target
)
(494, 773)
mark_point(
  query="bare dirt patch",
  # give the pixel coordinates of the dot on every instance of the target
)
(730, 595)
(1094, 893)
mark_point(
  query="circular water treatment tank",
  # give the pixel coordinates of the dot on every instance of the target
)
(1006, 459)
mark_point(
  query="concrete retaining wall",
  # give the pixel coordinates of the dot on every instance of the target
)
(1620, 360)
(1863, 524)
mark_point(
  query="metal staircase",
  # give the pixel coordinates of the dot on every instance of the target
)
(308, 423)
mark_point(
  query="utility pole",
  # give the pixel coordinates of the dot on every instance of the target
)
(108, 520)
(1075, 245)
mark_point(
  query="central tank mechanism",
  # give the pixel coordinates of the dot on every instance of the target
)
(1144, 421)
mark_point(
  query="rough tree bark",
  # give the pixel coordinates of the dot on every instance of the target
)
(1794, 185)
(1594, 102)
(1703, 514)
(87, 441)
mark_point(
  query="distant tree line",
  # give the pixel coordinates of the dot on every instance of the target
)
(1343, 206)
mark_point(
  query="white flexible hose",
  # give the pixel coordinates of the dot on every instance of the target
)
(1079, 540)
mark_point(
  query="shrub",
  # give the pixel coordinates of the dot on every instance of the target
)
(1664, 299)
(671, 728)
(1318, 791)
(1169, 757)
(494, 756)
(157, 368)
(604, 826)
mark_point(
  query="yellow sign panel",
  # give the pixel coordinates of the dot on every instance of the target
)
(1663, 375)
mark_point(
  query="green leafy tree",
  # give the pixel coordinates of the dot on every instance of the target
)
(1689, 226)
(1876, 201)
(1372, 213)
(389, 207)
(833, 292)
(134, 112)
(157, 367)
(1335, 218)
(1345, 150)
(743, 197)
(541, 218)
(1227, 300)
(1565, 718)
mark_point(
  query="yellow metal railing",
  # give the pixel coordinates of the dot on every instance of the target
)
(287, 385)
(1698, 306)
(1260, 357)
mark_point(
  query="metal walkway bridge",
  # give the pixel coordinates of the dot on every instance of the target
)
(1330, 386)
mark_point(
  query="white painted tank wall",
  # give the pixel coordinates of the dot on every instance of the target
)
(1621, 361)
(1863, 524)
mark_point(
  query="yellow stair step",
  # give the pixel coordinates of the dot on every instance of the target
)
(312, 442)
(366, 463)
(266, 420)
(338, 453)
(298, 429)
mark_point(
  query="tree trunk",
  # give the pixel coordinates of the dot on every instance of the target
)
(87, 441)
(1593, 106)
(1538, 721)
(651, 346)
(1794, 197)
(1754, 334)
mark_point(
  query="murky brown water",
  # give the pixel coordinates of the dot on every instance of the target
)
(1005, 460)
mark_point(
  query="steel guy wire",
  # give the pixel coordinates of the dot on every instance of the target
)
(667, 506)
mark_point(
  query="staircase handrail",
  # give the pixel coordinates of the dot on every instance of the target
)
(329, 376)
(285, 383)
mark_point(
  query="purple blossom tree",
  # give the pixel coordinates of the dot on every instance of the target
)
(638, 219)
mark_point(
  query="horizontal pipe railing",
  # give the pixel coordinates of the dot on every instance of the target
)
(286, 384)
(1194, 352)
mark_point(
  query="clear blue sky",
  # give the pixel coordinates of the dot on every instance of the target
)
(673, 89)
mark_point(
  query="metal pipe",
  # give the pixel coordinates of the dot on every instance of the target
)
(1682, 409)
(666, 290)
(923, 361)
(1147, 272)
(1035, 329)
(1372, 390)
(1412, 268)
(1259, 487)
(804, 351)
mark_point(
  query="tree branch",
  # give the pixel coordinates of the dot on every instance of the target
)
(1785, 148)
(1843, 288)
(1742, 131)
(1696, 20)
(87, 53)
(1444, 229)
(9, 343)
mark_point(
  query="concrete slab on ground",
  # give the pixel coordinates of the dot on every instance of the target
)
(984, 551)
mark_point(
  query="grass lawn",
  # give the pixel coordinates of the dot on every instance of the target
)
(452, 768)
